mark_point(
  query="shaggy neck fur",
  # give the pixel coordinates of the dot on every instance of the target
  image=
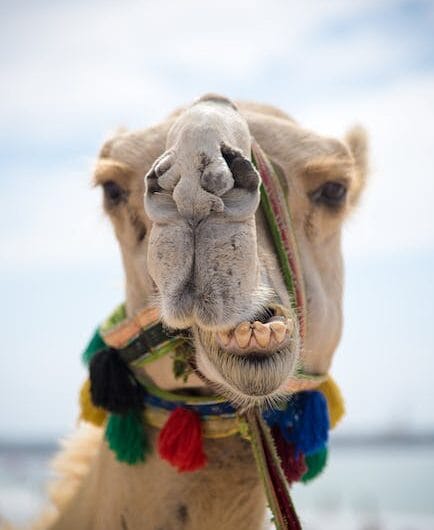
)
(226, 494)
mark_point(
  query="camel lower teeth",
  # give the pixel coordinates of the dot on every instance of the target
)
(224, 337)
(262, 333)
(242, 334)
(289, 325)
(279, 330)
(251, 334)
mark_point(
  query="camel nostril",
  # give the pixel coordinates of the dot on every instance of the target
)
(229, 154)
(245, 175)
(243, 172)
(152, 185)
(164, 163)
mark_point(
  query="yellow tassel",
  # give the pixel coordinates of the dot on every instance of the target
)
(88, 411)
(335, 401)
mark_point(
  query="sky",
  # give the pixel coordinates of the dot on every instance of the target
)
(72, 72)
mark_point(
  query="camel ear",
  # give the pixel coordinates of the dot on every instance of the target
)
(357, 141)
(106, 149)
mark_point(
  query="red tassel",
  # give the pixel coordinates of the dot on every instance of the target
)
(293, 465)
(180, 441)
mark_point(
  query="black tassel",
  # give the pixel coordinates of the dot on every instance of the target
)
(112, 384)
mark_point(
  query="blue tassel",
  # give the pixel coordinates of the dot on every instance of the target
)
(304, 423)
(313, 429)
(277, 417)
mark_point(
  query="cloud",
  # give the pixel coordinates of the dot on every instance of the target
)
(72, 67)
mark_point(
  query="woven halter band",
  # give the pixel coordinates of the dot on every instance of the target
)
(289, 443)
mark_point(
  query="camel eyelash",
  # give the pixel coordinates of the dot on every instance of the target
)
(331, 194)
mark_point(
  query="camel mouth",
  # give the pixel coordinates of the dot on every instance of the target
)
(253, 338)
(251, 362)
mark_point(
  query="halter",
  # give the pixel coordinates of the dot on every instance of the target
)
(289, 444)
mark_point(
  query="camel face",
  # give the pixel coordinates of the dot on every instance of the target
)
(194, 239)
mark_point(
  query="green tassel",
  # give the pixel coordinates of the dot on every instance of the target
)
(127, 438)
(96, 344)
(315, 463)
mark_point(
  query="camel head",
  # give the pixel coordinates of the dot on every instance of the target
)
(184, 199)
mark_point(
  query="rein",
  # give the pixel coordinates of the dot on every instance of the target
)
(289, 443)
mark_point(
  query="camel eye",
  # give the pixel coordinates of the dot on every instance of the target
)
(330, 194)
(113, 193)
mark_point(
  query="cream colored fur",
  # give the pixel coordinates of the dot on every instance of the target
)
(97, 492)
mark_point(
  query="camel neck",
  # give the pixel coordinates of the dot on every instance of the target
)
(227, 493)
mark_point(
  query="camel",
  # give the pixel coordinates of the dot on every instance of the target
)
(183, 198)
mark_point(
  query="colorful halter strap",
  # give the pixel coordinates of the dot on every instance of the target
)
(289, 444)
(274, 203)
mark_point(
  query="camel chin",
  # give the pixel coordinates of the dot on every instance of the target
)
(250, 362)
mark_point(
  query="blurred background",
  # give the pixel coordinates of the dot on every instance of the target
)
(71, 72)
